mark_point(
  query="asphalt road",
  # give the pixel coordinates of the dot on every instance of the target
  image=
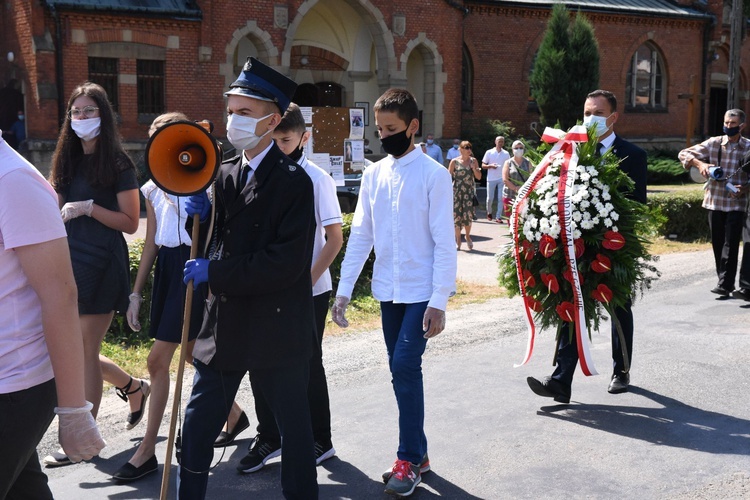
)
(682, 432)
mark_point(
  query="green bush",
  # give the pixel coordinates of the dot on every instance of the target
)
(119, 332)
(681, 214)
(362, 287)
(665, 168)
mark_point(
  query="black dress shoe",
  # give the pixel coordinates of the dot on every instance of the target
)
(550, 388)
(742, 293)
(226, 438)
(129, 472)
(721, 291)
(619, 383)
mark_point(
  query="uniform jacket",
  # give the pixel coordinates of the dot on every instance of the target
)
(634, 163)
(260, 314)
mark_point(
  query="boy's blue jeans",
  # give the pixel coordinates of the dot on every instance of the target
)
(404, 339)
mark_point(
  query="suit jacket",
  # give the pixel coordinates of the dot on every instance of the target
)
(634, 163)
(261, 312)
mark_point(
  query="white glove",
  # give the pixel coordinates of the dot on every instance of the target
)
(75, 209)
(78, 434)
(338, 311)
(133, 309)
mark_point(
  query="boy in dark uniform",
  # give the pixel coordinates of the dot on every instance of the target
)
(259, 318)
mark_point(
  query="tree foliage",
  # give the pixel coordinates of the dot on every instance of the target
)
(566, 68)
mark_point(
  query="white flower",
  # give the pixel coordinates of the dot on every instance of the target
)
(614, 215)
(576, 234)
(608, 222)
(614, 228)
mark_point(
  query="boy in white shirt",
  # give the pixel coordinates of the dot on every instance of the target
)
(405, 211)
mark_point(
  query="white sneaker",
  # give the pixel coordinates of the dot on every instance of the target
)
(56, 459)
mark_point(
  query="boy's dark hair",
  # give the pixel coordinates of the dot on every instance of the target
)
(292, 121)
(399, 101)
(609, 96)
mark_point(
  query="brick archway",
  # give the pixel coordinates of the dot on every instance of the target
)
(267, 52)
(376, 23)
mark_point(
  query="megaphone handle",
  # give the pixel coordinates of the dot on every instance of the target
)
(181, 364)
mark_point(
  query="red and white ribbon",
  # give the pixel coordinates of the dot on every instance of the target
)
(564, 149)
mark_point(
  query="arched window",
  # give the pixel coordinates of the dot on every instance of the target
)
(646, 81)
(467, 80)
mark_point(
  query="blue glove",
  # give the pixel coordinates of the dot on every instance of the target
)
(196, 270)
(198, 204)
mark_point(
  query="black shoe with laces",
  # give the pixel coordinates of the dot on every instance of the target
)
(742, 293)
(260, 453)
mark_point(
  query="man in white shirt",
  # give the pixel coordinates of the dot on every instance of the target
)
(433, 150)
(405, 211)
(493, 162)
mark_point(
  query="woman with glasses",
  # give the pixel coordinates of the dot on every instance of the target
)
(97, 187)
(464, 169)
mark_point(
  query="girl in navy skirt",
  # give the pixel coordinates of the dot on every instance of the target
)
(168, 244)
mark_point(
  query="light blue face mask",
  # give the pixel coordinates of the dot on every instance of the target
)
(599, 121)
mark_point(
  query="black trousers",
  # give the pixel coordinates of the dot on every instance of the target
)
(567, 353)
(213, 392)
(726, 234)
(24, 418)
(317, 392)
(745, 267)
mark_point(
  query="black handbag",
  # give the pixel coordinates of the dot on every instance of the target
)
(474, 201)
(90, 264)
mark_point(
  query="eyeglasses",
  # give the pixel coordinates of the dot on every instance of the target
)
(465, 147)
(87, 112)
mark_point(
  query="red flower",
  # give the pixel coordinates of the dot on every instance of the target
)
(602, 294)
(550, 281)
(533, 304)
(579, 247)
(569, 276)
(527, 249)
(601, 264)
(613, 240)
(566, 311)
(528, 279)
(547, 245)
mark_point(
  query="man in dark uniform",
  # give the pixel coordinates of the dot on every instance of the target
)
(600, 111)
(260, 314)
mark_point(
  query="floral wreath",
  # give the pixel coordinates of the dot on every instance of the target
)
(573, 213)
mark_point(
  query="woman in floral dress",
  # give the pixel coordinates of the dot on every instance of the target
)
(461, 170)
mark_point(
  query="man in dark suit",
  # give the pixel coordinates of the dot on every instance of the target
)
(600, 111)
(260, 314)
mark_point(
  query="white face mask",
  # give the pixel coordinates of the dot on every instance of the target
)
(241, 131)
(86, 129)
(518, 152)
(599, 121)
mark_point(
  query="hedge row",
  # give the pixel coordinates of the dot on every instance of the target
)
(681, 214)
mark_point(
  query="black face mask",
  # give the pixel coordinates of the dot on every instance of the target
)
(297, 153)
(396, 144)
(731, 131)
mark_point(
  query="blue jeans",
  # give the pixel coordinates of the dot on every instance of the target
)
(405, 342)
(491, 186)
